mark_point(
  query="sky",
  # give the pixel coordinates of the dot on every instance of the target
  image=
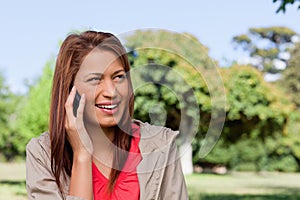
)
(31, 30)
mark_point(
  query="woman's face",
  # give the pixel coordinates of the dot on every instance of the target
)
(103, 80)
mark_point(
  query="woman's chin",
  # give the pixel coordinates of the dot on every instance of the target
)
(108, 122)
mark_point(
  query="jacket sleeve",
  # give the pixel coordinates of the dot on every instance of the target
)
(40, 181)
(173, 182)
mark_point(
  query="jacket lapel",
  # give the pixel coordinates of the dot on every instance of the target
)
(151, 167)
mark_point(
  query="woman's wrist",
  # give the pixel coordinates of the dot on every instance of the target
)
(82, 156)
(81, 177)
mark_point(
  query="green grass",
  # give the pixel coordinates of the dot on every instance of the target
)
(234, 186)
(12, 181)
(238, 186)
(245, 197)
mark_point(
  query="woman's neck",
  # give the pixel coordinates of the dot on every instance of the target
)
(102, 143)
(105, 134)
(109, 133)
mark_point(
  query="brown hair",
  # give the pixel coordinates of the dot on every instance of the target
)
(72, 53)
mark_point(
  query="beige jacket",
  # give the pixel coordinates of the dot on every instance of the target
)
(159, 173)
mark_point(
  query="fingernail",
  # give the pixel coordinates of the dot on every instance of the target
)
(83, 96)
(73, 88)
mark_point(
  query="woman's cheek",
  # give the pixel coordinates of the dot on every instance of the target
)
(89, 107)
(123, 90)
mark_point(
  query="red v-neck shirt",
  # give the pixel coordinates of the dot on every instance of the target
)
(127, 184)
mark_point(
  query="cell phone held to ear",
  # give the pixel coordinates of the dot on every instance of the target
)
(76, 103)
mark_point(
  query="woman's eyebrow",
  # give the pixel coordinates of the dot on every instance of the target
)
(118, 71)
(94, 73)
(101, 74)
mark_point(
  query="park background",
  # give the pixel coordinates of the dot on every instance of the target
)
(255, 49)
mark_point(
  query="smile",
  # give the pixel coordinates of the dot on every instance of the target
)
(107, 106)
(108, 109)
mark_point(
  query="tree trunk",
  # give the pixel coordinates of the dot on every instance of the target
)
(185, 150)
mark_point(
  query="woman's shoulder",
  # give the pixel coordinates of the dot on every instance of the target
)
(40, 144)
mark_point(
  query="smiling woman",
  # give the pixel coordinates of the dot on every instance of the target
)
(102, 78)
(100, 152)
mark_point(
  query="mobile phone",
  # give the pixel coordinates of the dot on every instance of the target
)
(76, 103)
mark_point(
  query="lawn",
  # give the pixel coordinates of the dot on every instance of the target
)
(12, 181)
(234, 186)
(238, 186)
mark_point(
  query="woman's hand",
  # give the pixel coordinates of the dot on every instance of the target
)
(81, 176)
(76, 132)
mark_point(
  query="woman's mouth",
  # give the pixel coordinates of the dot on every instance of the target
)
(108, 108)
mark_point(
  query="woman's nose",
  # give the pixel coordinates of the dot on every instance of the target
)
(108, 89)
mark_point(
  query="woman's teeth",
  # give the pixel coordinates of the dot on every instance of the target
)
(107, 106)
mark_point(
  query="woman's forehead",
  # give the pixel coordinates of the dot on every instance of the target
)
(101, 61)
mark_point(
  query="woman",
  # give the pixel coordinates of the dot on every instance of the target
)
(96, 151)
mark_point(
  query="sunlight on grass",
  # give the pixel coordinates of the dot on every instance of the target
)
(13, 190)
(12, 181)
(244, 186)
(13, 171)
(234, 186)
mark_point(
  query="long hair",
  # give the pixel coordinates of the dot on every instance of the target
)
(72, 53)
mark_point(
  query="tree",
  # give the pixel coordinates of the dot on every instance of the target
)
(284, 3)
(291, 84)
(33, 117)
(269, 48)
(169, 90)
(8, 111)
(291, 76)
(257, 121)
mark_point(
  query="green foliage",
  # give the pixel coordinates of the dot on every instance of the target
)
(246, 150)
(291, 76)
(258, 124)
(244, 155)
(33, 116)
(283, 164)
(257, 112)
(277, 34)
(222, 154)
(242, 40)
(8, 111)
(167, 85)
(267, 45)
(291, 141)
(270, 53)
(249, 96)
(245, 167)
(284, 3)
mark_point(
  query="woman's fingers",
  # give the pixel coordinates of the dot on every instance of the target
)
(69, 102)
(76, 132)
(84, 137)
(81, 108)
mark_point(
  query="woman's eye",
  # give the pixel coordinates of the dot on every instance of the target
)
(120, 77)
(94, 79)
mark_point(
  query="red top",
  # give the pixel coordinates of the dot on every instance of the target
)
(127, 184)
